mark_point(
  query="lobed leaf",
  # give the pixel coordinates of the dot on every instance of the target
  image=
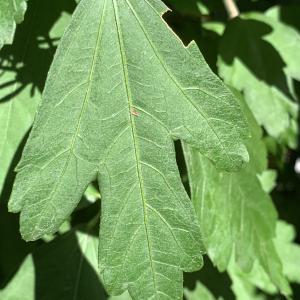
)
(121, 88)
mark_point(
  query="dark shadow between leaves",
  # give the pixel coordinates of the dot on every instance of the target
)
(244, 39)
(191, 4)
(189, 29)
(63, 272)
(289, 14)
(31, 53)
(218, 283)
(29, 59)
(13, 249)
(190, 8)
(88, 215)
(182, 168)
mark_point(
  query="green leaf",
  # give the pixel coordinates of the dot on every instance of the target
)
(287, 14)
(23, 67)
(288, 250)
(289, 253)
(65, 268)
(199, 293)
(13, 249)
(21, 284)
(236, 215)
(11, 13)
(124, 296)
(115, 98)
(285, 39)
(257, 56)
(242, 288)
(268, 180)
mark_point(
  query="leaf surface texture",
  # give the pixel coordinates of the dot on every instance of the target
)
(121, 88)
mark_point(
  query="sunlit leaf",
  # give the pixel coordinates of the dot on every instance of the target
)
(121, 88)
(11, 13)
(257, 57)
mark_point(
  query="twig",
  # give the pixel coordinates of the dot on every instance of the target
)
(231, 8)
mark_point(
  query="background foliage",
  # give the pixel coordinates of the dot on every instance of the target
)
(258, 57)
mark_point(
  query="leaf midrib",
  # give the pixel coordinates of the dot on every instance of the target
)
(135, 143)
(176, 83)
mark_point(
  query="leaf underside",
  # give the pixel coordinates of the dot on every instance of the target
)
(121, 88)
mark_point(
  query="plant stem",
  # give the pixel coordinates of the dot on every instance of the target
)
(231, 8)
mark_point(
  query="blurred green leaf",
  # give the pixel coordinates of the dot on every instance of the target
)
(256, 55)
(11, 13)
(242, 288)
(288, 250)
(268, 180)
(124, 296)
(287, 14)
(246, 283)
(199, 293)
(284, 39)
(236, 215)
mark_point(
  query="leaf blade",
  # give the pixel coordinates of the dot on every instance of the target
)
(237, 217)
(109, 94)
